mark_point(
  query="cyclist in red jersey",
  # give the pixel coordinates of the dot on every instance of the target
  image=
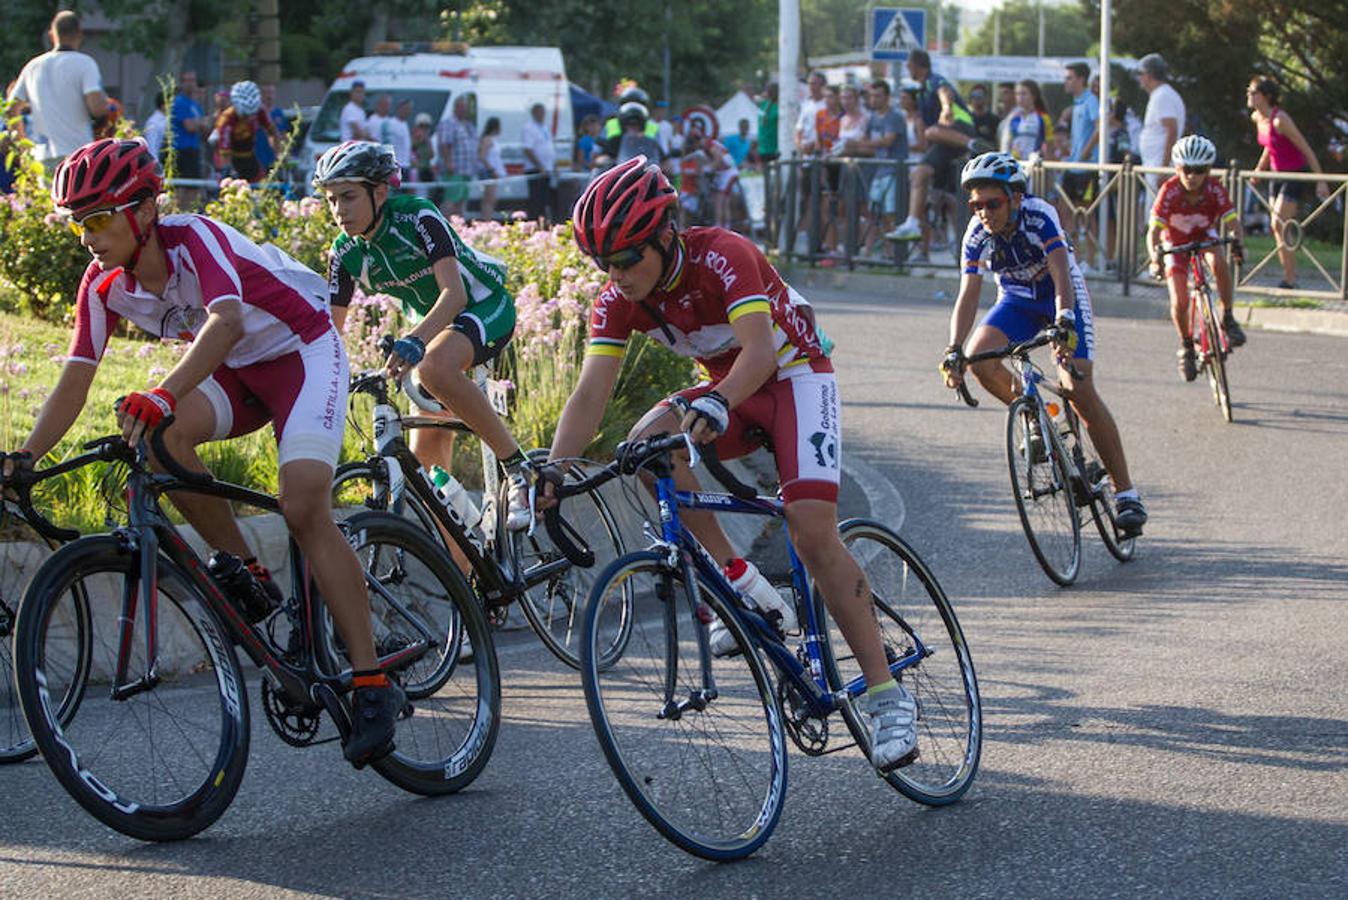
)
(1191, 206)
(263, 349)
(710, 294)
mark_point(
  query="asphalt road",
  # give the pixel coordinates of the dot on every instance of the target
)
(1175, 726)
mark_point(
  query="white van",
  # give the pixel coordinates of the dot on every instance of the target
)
(504, 82)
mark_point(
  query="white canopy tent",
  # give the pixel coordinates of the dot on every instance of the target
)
(729, 113)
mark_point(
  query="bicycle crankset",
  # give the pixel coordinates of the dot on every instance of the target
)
(808, 732)
(295, 725)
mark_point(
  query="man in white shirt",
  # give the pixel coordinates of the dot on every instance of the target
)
(155, 126)
(1163, 123)
(353, 115)
(400, 136)
(376, 126)
(540, 161)
(64, 93)
(809, 108)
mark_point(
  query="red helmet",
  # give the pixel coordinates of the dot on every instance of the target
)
(622, 208)
(105, 173)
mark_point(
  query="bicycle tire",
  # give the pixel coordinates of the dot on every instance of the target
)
(461, 714)
(1215, 363)
(1101, 496)
(21, 548)
(1043, 494)
(907, 600)
(353, 492)
(172, 718)
(672, 785)
(554, 608)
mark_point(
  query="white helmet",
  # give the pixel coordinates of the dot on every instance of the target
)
(1194, 150)
(245, 97)
(995, 168)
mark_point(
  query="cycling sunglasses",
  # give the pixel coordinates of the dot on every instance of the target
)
(621, 259)
(992, 205)
(1195, 170)
(97, 221)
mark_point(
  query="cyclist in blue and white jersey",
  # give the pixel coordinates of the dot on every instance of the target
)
(1018, 238)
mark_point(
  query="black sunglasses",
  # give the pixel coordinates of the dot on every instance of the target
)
(992, 205)
(621, 259)
(1195, 170)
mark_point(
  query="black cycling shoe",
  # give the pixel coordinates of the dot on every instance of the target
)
(1234, 333)
(1130, 515)
(1188, 362)
(374, 715)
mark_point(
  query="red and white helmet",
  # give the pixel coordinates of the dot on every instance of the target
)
(624, 207)
(103, 174)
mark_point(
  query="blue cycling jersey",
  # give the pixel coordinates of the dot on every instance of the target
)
(1020, 261)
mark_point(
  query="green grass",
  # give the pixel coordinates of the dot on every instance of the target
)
(1329, 255)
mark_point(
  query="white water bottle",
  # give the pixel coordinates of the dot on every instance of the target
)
(745, 578)
(455, 496)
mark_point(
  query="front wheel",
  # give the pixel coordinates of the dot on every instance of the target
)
(159, 752)
(1042, 486)
(417, 593)
(927, 654)
(707, 770)
(1214, 361)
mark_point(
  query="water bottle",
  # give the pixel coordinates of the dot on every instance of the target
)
(1058, 413)
(745, 578)
(242, 586)
(454, 496)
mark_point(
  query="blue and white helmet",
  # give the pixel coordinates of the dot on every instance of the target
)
(994, 167)
(246, 98)
(1194, 150)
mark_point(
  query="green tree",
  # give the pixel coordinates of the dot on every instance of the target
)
(1067, 31)
(27, 24)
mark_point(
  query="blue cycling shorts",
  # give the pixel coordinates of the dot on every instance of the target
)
(1021, 319)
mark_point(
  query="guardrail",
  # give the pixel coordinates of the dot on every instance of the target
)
(824, 212)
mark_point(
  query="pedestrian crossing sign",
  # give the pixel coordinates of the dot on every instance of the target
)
(897, 32)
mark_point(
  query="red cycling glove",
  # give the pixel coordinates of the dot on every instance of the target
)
(150, 407)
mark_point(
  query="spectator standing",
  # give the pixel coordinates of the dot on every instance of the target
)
(739, 144)
(587, 143)
(986, 121)
(156, 126)
(1006, 104)
(806, 138)
(266, 155)
(887, 139)
(186, 123)
(490, 165)
(456, 143)
(540, 156)
(352, 123)
(827, 128)
(1078, 185)
(768, 116)
(64, 93)
(664, 129)
(1029, 129)
(376, 124)
(400, 135)
(1285, 150)
(423, 165)
(912, 126)
(1163, 122)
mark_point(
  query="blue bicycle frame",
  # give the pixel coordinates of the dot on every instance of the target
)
(812, 685)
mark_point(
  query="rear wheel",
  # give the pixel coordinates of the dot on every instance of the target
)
(1041, 484)
(22, 550)
(929, 657)
(455, 704)
(1098, 491)
(162, 757)
(554, 607)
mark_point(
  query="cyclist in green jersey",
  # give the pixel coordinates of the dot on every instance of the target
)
(456, 297)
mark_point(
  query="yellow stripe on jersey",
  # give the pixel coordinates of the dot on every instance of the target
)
(606, 347)
(746, 306)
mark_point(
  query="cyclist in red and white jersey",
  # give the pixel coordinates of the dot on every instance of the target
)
(263, 349)
(1191, 206)
(710, 294)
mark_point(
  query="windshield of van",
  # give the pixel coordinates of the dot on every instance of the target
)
(327, 125)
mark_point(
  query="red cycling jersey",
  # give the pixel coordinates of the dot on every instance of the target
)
(1185, 220)
(718, 277)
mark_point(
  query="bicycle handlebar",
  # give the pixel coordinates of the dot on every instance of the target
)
(1198, 245)
(629, 458)
(171, 465)
(104, 449)
(1022, 348)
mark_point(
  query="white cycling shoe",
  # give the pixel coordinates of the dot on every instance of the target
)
(892, 717)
